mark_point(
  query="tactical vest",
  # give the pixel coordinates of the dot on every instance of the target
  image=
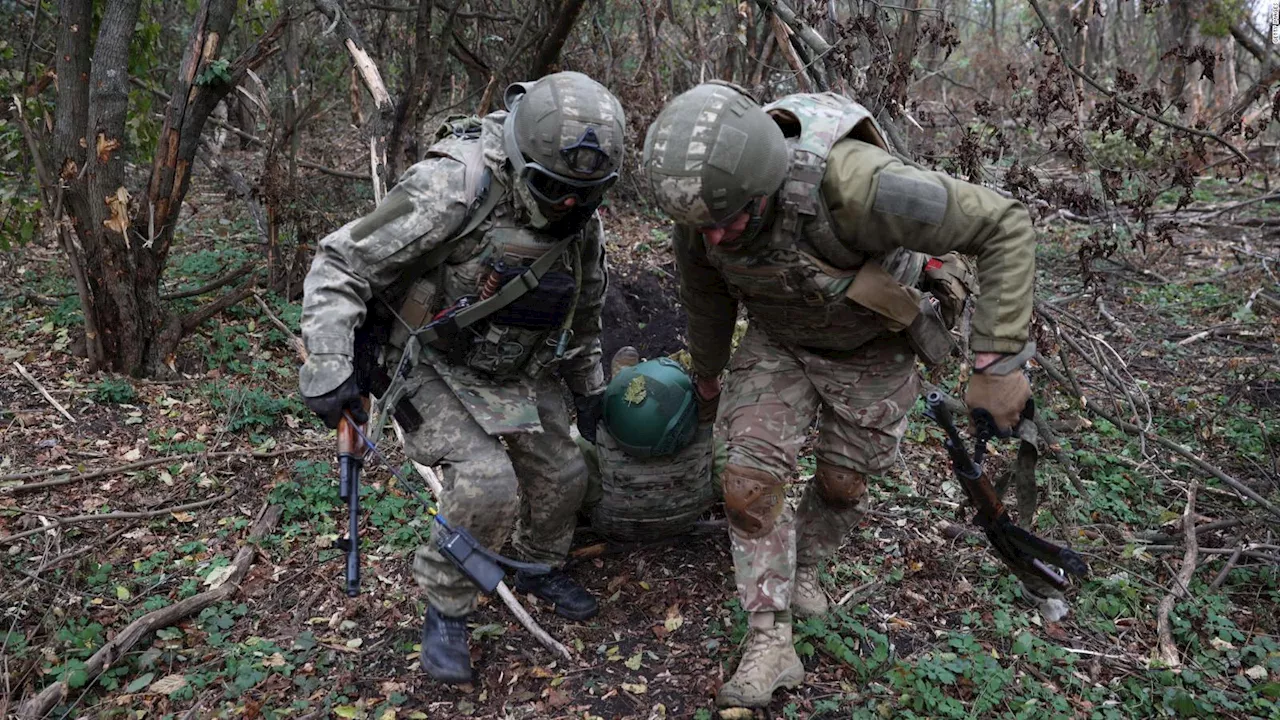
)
(648, 499)
(798, 283)
(492, 250)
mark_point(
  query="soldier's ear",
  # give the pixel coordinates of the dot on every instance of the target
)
(513, 93)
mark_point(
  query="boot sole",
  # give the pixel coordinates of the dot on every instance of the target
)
(791, 678)
(439, 674)
(807, 613)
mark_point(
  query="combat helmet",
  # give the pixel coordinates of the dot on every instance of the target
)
(649, 408)
(710, 152)
(564, 138)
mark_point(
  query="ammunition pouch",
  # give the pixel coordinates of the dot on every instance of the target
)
(543, 308)
(929, 335)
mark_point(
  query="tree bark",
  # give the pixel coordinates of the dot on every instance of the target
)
(549, 53)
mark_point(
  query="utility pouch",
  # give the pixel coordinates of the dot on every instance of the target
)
(928, 334)
(463, 551)
(542, 308)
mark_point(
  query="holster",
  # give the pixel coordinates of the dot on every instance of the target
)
(928, 334)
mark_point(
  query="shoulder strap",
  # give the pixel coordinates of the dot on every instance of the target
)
(507, 294)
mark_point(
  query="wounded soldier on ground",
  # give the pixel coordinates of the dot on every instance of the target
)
(653, 469)
(490, 256)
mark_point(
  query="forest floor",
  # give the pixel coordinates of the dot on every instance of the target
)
(1184, 339)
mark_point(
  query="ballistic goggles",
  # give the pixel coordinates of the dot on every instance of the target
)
(549, 187)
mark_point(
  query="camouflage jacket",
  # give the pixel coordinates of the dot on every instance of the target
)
(878, 203)
(429, 206)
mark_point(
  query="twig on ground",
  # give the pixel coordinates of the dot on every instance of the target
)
(139, 465)
(294, 340)
(858, 591)
(112, 651)
(504, 592)
(1226, 569)
(1115, 324)
(31, 379)
(102, 517)
(1235, 484)
(1168, 651)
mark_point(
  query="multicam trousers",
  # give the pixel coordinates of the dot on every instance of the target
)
(535, 482)
(773, 395)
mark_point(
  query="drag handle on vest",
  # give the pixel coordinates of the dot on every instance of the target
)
(1020, 549)
(480, 565)
(350, 461)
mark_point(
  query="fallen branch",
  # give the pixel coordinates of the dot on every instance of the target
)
(79, 519)
(1119, 327)
(211, 285)
(139, 465)
(294, 340)
(120, 645)
(1129, 427)
(1226, 569)
(31, 379)
(1167, 650)
(504, 592)
(863, 588)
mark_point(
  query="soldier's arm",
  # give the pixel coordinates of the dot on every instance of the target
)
(712, 311)
(426, 207)
(581, 369)
(878, 203)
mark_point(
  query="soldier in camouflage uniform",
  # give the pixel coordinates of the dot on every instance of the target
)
(798, 212)
(507, 202)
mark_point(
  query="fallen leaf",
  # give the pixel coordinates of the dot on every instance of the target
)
(1257, 672)
(1220, 644)
(635, 688)
(347, 711)
(674, 619)
(168, 685)
(276, 660)
(557, 698)
(633, 662)
(122, 593)
(218, 576)
(132, 455)
(183, 516)
(388, 714)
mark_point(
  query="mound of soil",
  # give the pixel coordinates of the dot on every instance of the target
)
(642, 307)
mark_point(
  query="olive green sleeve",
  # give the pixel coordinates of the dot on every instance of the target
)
(712, 311)
(878, 203)
(581, 367)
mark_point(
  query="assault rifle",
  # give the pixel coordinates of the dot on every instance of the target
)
(481, 566)
(1020, 549)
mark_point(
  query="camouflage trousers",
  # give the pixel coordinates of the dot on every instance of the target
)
(533, 481)
(773, 395)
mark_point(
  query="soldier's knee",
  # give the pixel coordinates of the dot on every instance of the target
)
(753, 500)
(840, 487)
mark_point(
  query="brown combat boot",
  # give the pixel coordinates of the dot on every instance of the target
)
(769, 662)
(625, 357)
(808, 599)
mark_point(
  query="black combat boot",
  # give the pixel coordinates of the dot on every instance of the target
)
(445, 655)
(571, 599)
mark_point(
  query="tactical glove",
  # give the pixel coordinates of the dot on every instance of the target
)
(1003, 396)
(710, 404)
(330, 405)
(589, 409)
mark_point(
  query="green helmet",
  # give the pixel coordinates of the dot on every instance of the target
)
(711, 151)
(564, 138)
(649, 409)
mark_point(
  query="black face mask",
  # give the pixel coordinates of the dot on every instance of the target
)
(569, 222)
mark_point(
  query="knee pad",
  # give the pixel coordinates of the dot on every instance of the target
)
(753, 500)
(839, 487)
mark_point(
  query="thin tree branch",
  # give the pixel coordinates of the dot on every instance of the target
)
(1053, 35)
(31, 379)
(139, 465)
(103, 517)
(211, 285)
(1168, 650)
(193, 319)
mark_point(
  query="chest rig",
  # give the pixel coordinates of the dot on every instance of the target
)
(799, 281)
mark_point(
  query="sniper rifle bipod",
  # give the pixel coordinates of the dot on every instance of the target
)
(1020, 549)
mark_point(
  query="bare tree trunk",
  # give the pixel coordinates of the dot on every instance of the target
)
(408, 111)
(549, 53)
(293, 85)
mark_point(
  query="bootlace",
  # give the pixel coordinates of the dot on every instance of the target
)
(453, 630)
(758, 644)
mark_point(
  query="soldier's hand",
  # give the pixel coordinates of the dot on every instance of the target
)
(707, 393)
(589, 409)
(1003, 396)
(330, 405)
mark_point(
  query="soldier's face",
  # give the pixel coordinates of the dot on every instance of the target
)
(731, 229)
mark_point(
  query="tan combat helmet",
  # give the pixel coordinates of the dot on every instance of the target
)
(710, 152)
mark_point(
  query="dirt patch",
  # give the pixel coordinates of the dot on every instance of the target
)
(642, 308)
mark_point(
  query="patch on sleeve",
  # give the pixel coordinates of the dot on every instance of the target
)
(394, 207)
(909, 197)
(726, 154)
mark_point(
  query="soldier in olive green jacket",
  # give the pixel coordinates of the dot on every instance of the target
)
(799, 213)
